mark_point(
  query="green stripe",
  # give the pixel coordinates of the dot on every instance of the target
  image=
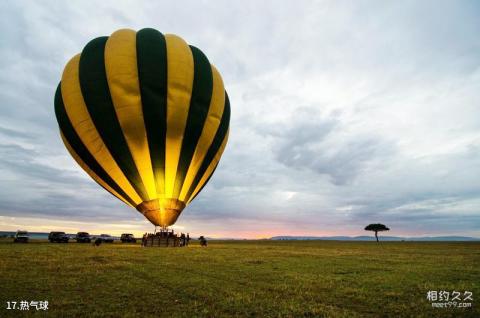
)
(152, 76)
(94, 85)
(77, 145)
(216, 143)
(197, 114)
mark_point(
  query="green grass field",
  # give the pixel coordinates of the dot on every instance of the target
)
(239, 279)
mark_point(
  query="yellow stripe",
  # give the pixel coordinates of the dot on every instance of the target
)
(122, 76)
(92, 174)
(180, 82)
(210, 127)
(81, 121)
(210, 168)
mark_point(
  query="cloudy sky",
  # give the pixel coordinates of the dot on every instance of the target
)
(343, 114)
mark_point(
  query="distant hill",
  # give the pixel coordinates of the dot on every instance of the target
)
(372, 238)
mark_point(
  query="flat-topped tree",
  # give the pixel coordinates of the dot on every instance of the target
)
(377, 227)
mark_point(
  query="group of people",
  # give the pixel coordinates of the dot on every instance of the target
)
(182, 240)
(203, 241)
(166, 237)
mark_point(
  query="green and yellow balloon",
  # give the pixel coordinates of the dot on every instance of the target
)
(147, 117)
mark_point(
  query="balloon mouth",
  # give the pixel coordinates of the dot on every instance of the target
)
(161, 212)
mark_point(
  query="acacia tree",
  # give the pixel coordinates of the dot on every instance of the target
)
(377, 227)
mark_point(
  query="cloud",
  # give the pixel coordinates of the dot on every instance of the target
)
(312, 142)
(32, 188)
(342, 114)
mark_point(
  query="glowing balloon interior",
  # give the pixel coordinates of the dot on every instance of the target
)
(147, 117)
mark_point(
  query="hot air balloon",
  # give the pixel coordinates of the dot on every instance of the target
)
(147, 117)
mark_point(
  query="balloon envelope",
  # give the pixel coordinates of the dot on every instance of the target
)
(147, 117)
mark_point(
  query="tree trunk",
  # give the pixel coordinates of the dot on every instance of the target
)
(376, 236)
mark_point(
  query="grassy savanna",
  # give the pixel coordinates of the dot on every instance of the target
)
(239, 279)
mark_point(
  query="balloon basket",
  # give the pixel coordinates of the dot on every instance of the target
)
(165, 238)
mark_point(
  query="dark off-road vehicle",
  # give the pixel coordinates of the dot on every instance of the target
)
(128, 238)
(83, 237)
(106, 238)
(58, 237)
(21, 237)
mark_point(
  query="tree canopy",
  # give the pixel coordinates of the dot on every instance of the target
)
(376, 227)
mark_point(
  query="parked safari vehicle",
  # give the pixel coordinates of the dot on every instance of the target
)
(58, 237)
(83, 237)
(21, 237)
(128, 238)
(106, 238)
